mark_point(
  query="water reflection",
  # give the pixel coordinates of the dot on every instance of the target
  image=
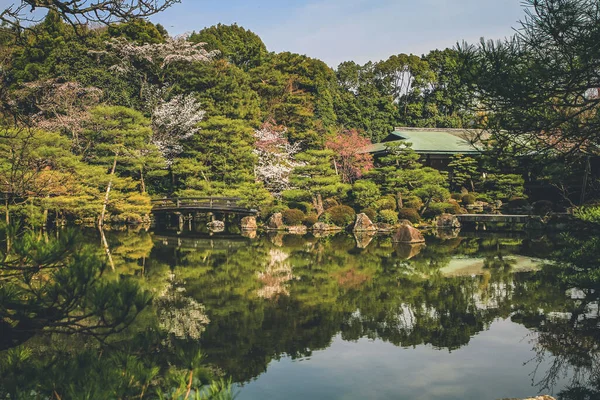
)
(251, 303)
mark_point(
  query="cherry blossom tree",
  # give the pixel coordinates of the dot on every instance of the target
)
(350, 161)
(173, 122)
(275, 157)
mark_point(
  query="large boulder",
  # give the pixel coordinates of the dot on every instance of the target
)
(363, 238)
(323, 227)
(249, 223)
(296, 229)
(407, 234)
(276, 222)
(364, 224)
(216, 226)
(447, 221)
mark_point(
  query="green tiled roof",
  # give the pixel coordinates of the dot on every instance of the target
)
(428, 141)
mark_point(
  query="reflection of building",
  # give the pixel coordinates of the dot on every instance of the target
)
(435, 145)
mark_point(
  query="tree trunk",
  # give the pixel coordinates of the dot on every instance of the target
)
(107, 249)
(399, 200)
(143, 184)
(318, 204)
(106, 197)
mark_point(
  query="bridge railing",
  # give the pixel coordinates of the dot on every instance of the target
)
(203, 202)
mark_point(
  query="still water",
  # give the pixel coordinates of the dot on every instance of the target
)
(344, 317)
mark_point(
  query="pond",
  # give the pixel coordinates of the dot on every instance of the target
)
(344, 317)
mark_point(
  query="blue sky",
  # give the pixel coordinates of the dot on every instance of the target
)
(358, 30)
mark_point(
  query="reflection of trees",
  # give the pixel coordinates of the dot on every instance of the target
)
(568, 329)
(337, 288)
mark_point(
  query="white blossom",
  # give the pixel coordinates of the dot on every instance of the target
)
(275, 158)
(174, 49)
(275, 277)
(180, 315)
(173, 122)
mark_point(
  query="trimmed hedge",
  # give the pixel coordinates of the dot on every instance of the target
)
(339, 215)
(411, 214)
(310, 220)
(293, 216)
(388, 216)
(468, 199)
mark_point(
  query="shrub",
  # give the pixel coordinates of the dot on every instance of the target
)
(542, 207)
(468, 199)
(413, 202)
(411, 214)
(436, 209)
(484, 197)
(365, 193)
(340, 215)
(456, 196)
(330, 202)
(588, 214)
(388, 216)
(303, 206)
(386, 203)
(293, 216)
(371, 213)
(517, 202)
(310, 220)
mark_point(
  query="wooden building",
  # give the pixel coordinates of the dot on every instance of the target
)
(436, 146)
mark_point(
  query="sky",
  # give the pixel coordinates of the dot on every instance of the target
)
(344, 30)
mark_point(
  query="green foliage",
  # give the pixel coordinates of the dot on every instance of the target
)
(411, 214)
(385, 203)
(370, 212)
(310, 219)
(436, 209)
(293, 216)
(503, 186)
(463, 172)
(365, 193)
(588, 214)
(316, 179)
(340, 215)
(468, 199)
(388, 216)
(56, 285)
(239, 46)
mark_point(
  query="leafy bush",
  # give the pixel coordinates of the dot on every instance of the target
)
(386, 203)
(365, 193)
(413, 202)
(293, 216)
(310, 220)
(588, 214)
(456, 196)
(411, 214)
(517, 202)
(388, 216)
(339, 215)
(436, 209)
(371, 213)
(330, 202)
(303, 206)
(543, 207)
(468, 199)
(504, 186)
(484, 197)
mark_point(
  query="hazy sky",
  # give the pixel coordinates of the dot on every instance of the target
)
(358, 30)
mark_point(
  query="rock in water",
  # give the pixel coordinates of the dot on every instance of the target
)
(216, 226)
(296, 229)
(323, 227)
(249, 223)
(407, 234)
(275, 222)
(447, 221)
(363, 224)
